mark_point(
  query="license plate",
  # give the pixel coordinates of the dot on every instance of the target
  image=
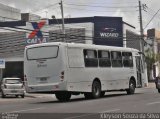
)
(13, 91)
(43, 80)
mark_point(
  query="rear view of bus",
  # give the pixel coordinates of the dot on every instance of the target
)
(44, 68)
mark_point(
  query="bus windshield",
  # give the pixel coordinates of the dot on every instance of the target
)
(43, 52)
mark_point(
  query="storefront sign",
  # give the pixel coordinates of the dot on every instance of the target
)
(108, 31)
(37, 35)
(2, 63)
(36, 40)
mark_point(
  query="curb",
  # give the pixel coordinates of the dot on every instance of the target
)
(151, 85)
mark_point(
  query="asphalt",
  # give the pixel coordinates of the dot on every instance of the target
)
(35, 95)
(145, 100)
(151, 85)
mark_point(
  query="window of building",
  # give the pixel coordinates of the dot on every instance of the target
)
(104, 58)
(90, 58)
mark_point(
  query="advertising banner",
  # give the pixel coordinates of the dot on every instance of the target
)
(38, 34)
(108, 31)
(2, 63)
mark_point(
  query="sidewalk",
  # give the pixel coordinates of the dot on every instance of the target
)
(37, 95)
(151, 85)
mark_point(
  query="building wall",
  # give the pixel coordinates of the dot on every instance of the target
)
(9, 13)
(132, 40)
(76, 32)
(126, 39)
(12, 46)
(30, 17)
(154, 40)
(73, 35)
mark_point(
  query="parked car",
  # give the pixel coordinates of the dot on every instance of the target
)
(12, 86)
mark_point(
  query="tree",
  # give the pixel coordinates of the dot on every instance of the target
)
(151, 58)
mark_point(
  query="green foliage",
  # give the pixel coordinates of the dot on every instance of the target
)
(151, 58)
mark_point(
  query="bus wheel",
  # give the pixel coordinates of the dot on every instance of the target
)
(158, 90)
(22, 96)
(102, 93)
(88, 95)
(132, 87)
(63, 96)
(96, 89)
(3, 95)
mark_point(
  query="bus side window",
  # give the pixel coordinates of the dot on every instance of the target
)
(104, 58)
(127, 59)
(90, 58)
(116, 59)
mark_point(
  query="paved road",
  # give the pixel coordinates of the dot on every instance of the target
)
(145, 100)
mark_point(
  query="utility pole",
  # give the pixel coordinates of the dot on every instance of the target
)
(141, 29)
(63, 29)
(141, 45)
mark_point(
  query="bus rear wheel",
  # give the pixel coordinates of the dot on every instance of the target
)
(88, 95)
(132, 87)
(102, 93)
(3, 95)
(96, 91)
(63, 96)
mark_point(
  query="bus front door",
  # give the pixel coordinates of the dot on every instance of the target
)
(139, 71)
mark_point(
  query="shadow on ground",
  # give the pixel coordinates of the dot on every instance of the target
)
(107, 96)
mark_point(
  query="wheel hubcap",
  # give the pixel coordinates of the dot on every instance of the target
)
(132, 86)
(96, 90)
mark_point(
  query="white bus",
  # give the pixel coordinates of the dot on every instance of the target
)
(66, 69)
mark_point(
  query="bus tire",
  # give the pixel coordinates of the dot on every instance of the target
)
(96, 89)
(22, 96)
(63, 96)
(158, 90)
(132, 86)
(88, 95)
(3, 95)
(102, 93)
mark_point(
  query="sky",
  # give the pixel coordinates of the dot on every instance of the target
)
(128, 9)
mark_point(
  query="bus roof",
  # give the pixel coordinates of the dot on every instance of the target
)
(80, 45)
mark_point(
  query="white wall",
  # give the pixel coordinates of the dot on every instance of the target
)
(9, 13)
